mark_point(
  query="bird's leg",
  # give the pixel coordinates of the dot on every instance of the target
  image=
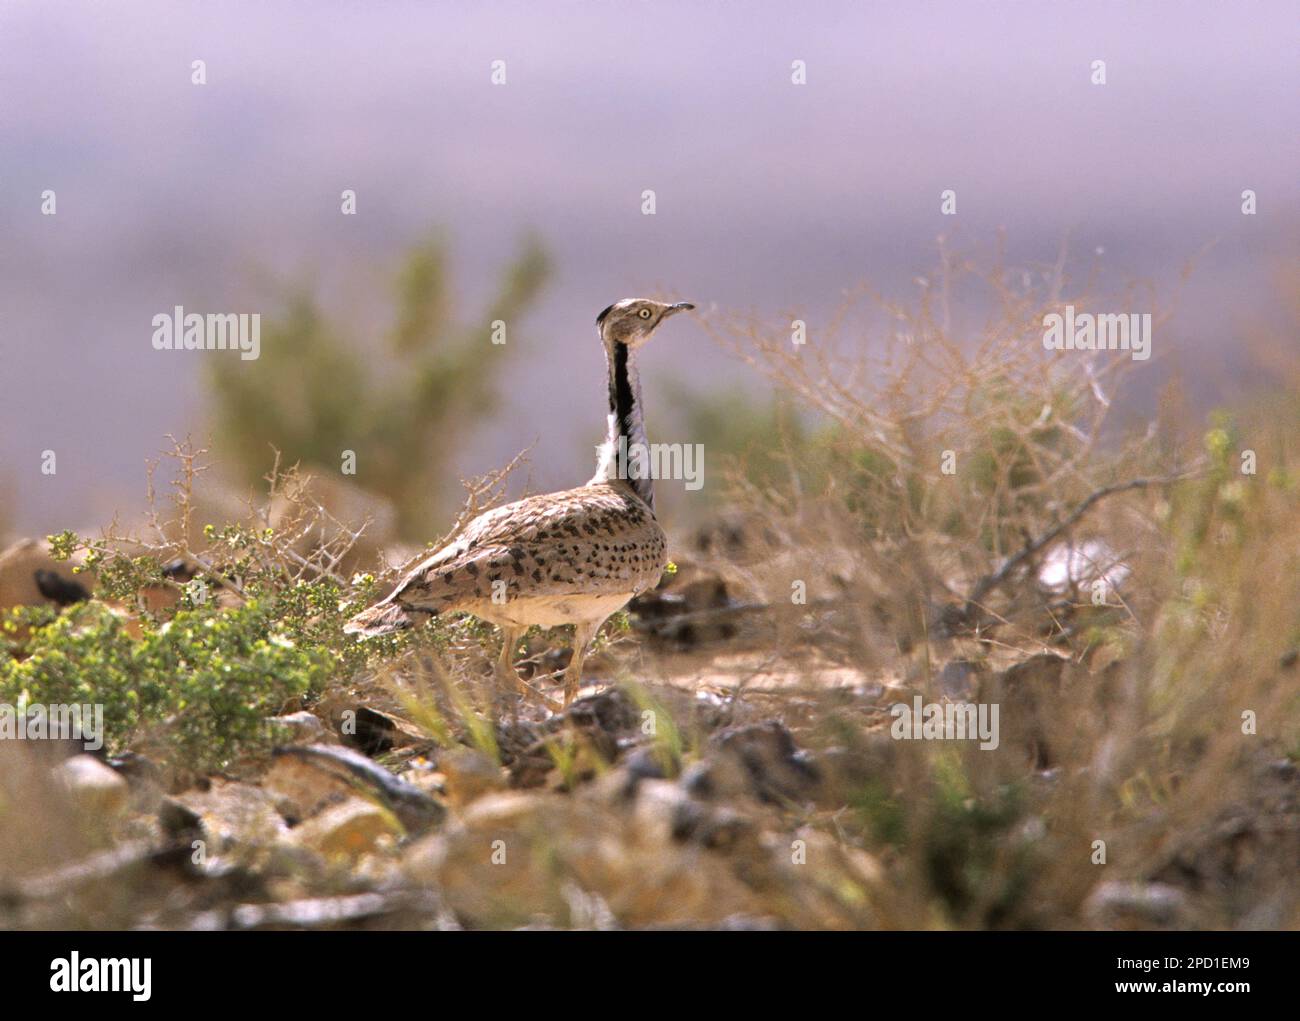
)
(582, 636)
(506, 669)
(505, 662)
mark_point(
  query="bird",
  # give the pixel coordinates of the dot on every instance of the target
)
(571, 557)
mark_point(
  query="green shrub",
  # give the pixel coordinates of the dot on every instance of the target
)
(209, 678)
(316, 391)
(251, 635)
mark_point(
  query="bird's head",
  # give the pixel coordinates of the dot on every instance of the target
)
(632, 320)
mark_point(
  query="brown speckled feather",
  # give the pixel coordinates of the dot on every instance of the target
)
(563, 558)
(551, 559)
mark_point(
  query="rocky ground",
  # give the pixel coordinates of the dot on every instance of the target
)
(729, 764)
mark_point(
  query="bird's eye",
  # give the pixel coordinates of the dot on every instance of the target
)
(644, 313)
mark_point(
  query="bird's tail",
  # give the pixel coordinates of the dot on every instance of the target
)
(384, 618)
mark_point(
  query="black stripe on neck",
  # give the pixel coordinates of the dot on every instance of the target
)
(623, 406)
(621, 399)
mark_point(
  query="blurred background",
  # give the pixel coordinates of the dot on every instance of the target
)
(523, 201)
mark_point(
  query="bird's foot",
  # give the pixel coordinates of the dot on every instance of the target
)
(528, 691)
(572, 684)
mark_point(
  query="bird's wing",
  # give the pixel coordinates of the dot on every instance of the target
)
(594, 540)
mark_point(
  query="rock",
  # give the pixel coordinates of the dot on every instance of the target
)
(350, 829)
(302, 789)
(642, 764)
(824, 879)
(1137, 906)
(235, 815)
(119, 867)
(531, 768)
(574, 746)
(139, 770)
(664, 812)
(515, 858)
(26, 561)
(1067, 567)
(415, 809)
(660, 858)
(303, 728)
(760, 759)
(374, 733)
(664, 807)
(61, 591)
(618, 785)
(611, 711)
(705, 593)
(397, 909)
(958, 679)
(698, 780)
(145, 777)
(820, 852)
(94, 788)
(178, 822)
(469, 774)
(50, 737)
(581, 756)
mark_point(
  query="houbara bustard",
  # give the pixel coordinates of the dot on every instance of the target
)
(573, 557)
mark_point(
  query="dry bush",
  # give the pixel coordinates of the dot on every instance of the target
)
(1122, 719)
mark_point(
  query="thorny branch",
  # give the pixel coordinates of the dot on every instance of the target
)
(990, 582)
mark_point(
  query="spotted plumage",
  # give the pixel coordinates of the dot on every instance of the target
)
(572, 557)
(538, 561)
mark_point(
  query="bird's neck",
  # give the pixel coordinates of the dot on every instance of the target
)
(625, 454)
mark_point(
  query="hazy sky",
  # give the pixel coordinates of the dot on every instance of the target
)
(770, 196)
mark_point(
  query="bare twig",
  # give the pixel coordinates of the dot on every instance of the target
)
(990, 582)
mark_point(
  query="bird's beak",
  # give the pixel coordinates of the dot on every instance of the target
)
(681, 306)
